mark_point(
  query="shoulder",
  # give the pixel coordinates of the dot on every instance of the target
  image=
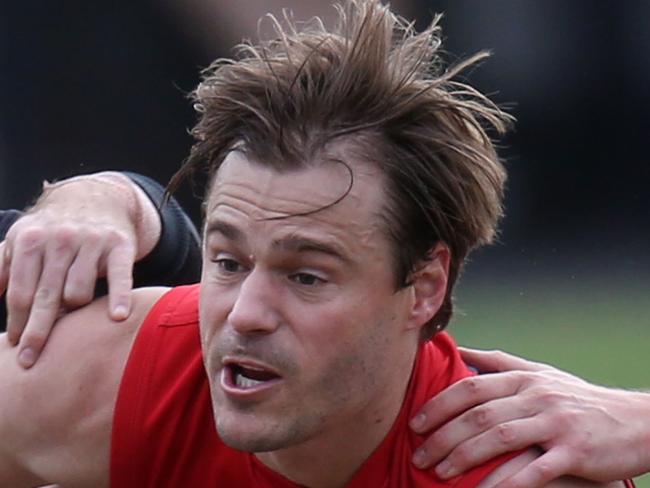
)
(58, 414)
(519, 462)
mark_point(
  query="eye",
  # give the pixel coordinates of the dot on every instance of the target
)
(307, 279)
(228, 265)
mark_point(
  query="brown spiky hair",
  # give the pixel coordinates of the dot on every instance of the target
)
(376, 82)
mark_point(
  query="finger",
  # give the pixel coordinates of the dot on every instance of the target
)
(501, 439)
(463, 395)
(79, 287)
(549, 466)
(24, 274)
(59, 253)
(476, 421)
(470, 425)
(119, 269)
(496, 361)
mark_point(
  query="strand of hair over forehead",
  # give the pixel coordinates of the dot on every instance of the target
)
(371, 34)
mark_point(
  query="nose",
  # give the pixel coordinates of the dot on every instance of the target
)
(255, 309)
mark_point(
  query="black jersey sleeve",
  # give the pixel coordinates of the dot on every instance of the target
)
(176, 259)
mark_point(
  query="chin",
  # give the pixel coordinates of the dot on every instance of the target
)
(257, 432)
(249, 443)
(250, 434)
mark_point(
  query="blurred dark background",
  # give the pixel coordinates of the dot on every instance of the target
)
(87, 86)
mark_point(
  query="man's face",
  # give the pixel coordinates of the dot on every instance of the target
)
(300, 321)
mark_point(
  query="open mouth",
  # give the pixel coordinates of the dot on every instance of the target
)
(243, 376)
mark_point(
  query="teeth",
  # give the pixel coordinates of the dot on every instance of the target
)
(243, 382)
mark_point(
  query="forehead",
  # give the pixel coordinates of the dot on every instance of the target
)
(336, 192)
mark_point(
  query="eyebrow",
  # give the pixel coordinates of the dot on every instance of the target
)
(293, 242)
(227, 230)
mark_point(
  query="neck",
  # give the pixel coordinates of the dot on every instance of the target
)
(331, 458)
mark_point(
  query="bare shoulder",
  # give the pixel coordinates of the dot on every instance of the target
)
(56, 418)
(516, 464)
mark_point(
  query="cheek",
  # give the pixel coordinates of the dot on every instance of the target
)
(212, 313)
(339, 335)
(347, 370)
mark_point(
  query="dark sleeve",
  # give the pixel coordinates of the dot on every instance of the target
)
(176, 259)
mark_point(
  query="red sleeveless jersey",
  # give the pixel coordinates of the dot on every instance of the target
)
(164, 433)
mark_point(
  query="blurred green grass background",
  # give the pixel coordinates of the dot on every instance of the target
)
(597, 328)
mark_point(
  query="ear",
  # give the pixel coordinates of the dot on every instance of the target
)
(429, 286)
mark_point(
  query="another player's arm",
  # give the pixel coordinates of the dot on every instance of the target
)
(56, 418)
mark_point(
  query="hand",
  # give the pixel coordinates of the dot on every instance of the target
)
(80, 229)
(578, 425)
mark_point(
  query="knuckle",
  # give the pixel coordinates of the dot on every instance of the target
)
(529, 408)
(527, 378)
(93, 237)
(46, 297)
(547, 397)
(542, 469)
(482, 417)
(572, 416)
(506, 434)
(64, 237)
(116, 237)
(30, 239)
(472, 387)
